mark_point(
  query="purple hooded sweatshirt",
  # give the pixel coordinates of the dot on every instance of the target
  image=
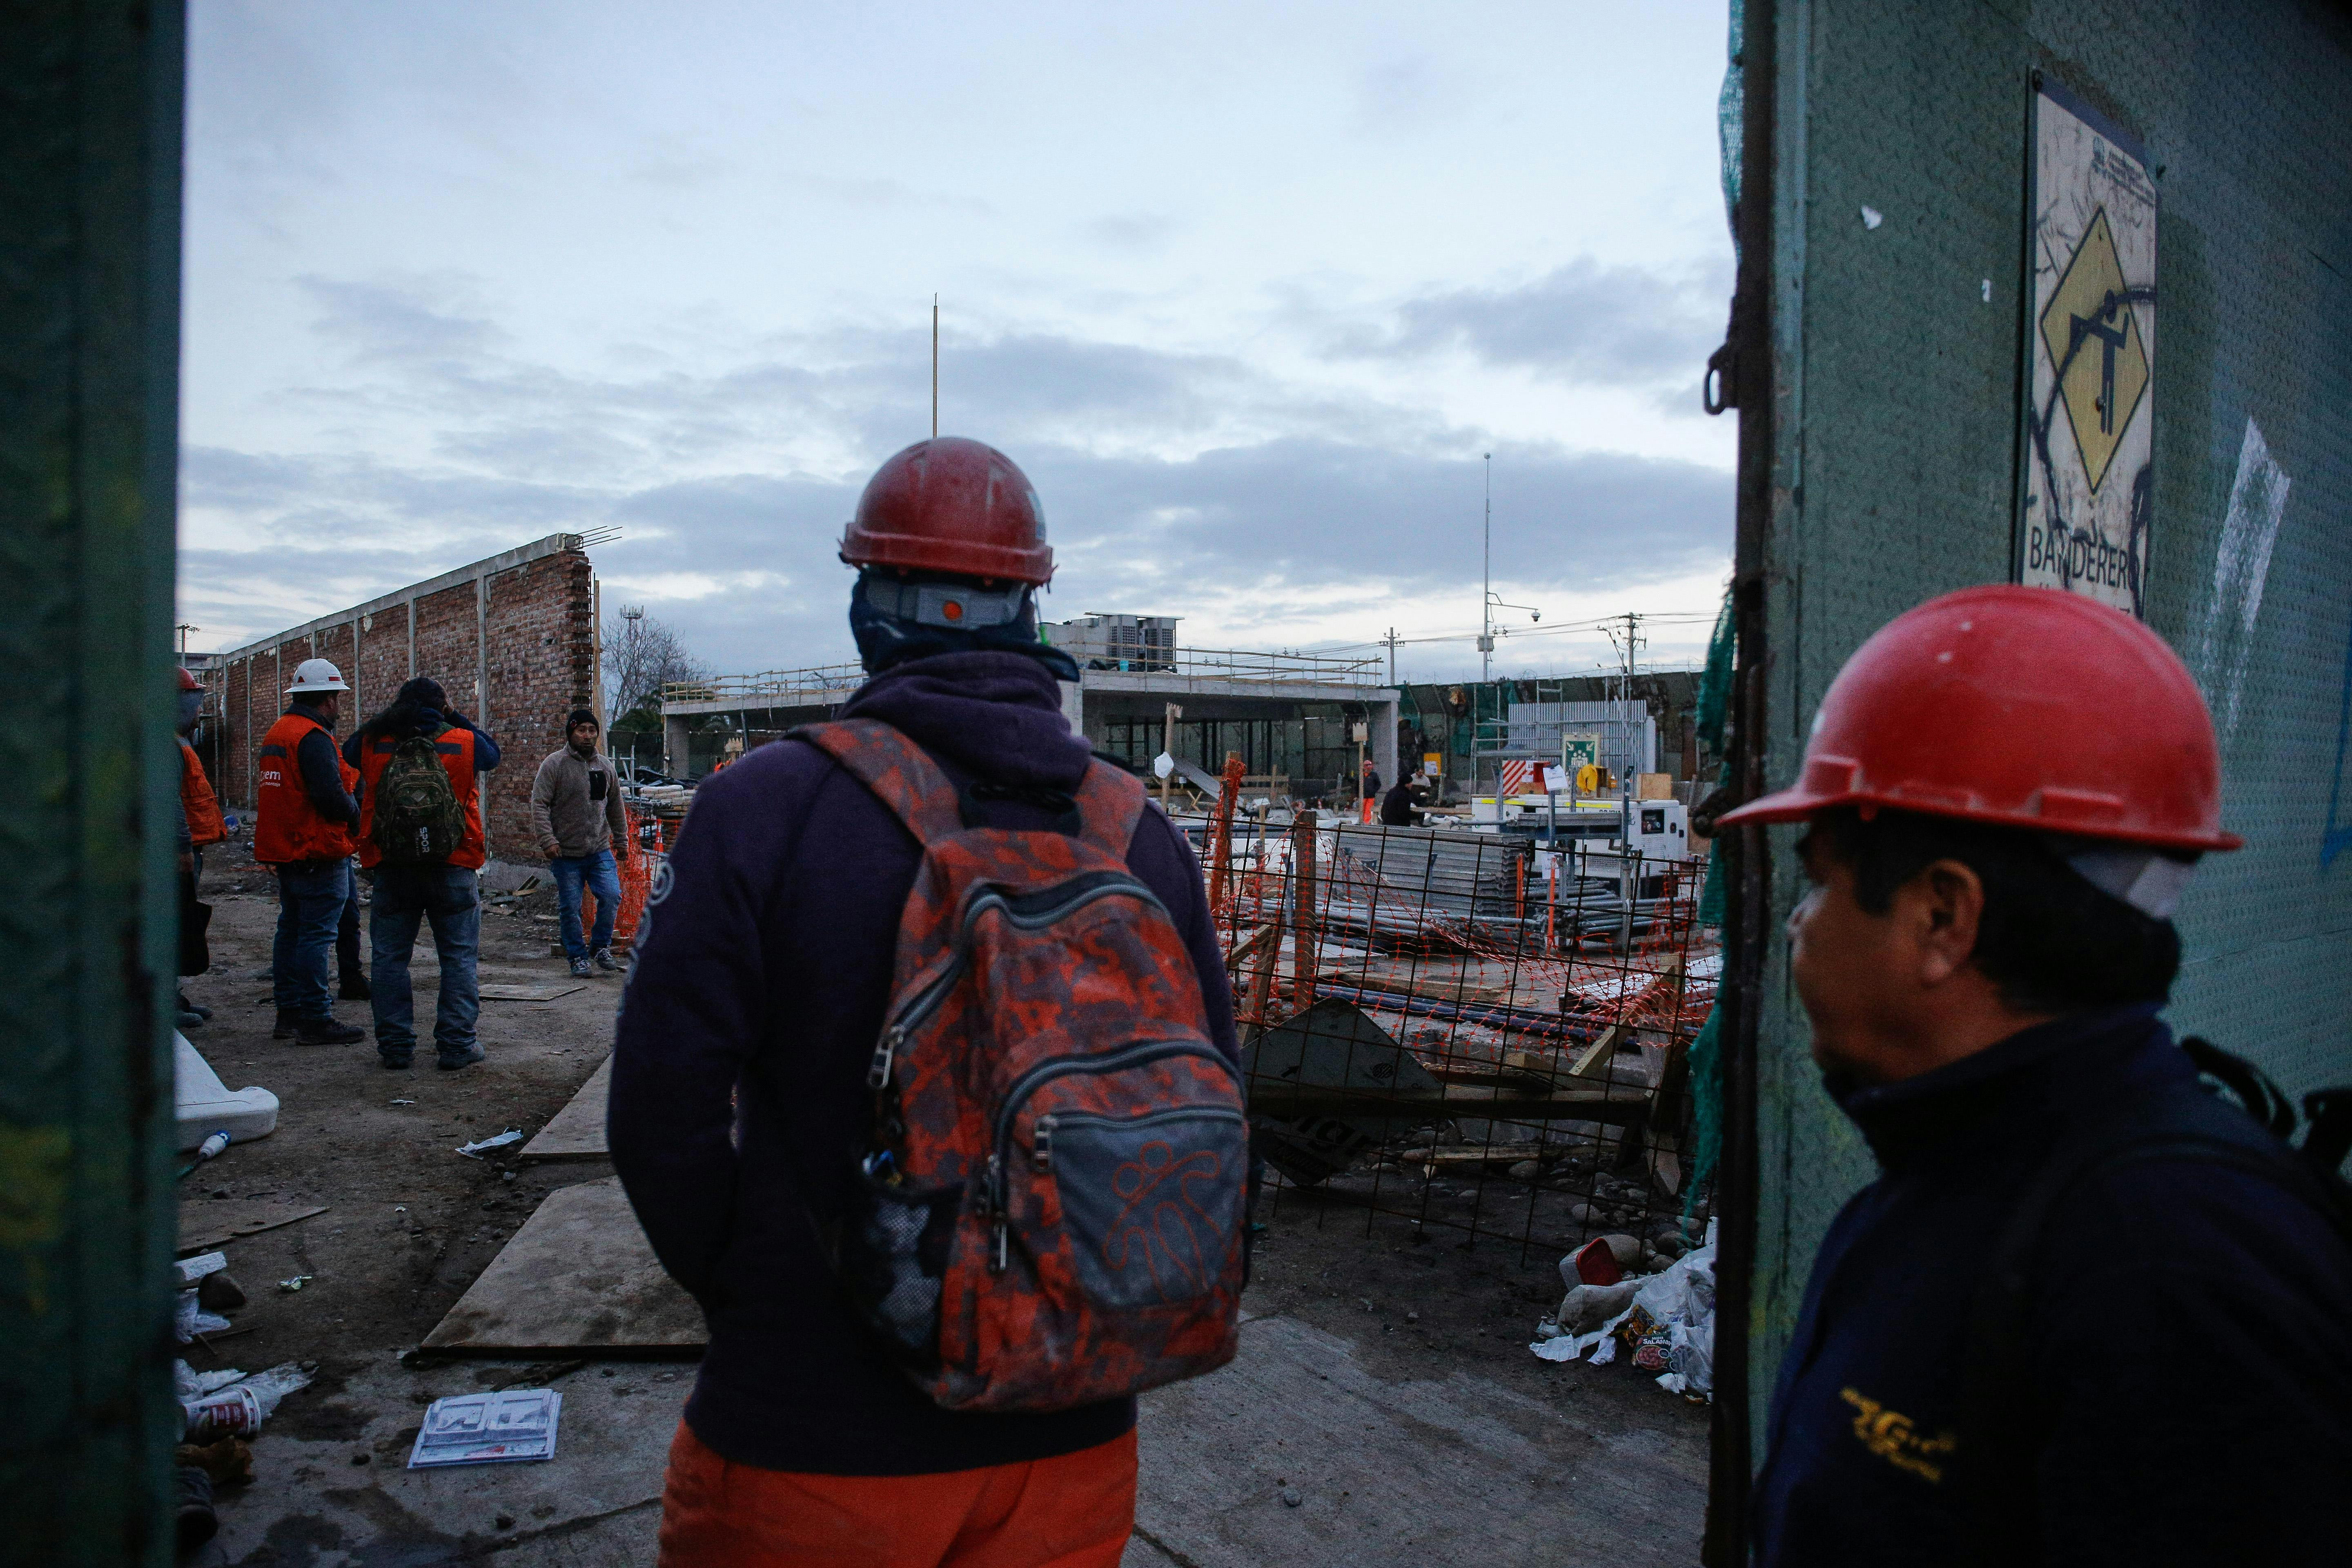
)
(739, 1099)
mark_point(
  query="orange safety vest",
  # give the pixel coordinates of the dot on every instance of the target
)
(456, 748)
(204, 823)
(288, 827)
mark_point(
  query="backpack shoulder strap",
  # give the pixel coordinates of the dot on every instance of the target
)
(895, 769)
(2000, 1420)
(1110, 802)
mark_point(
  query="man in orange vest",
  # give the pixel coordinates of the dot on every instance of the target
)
(423, 849)
(200, 824)
(303, 813)
(198, 800)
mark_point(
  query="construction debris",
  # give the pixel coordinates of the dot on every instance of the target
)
(1475, 1026)
(1667, 1322)
(504, 1427)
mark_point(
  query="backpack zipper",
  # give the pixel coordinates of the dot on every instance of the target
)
(1000, 1162)
(894, 1034)
(1040, 1140)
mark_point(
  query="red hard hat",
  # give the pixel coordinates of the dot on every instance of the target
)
(188, 681)
(952, 505)
(2023, 707)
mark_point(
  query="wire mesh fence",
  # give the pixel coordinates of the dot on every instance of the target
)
(1483, 1033)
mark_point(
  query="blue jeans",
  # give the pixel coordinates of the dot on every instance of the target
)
(310, 898)
(449, 897)
(604, 879)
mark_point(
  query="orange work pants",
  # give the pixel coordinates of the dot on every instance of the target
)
(1074, 1512)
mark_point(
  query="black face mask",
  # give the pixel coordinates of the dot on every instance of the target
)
(885, 638)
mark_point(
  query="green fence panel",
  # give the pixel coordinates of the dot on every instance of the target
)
(1901, 138)
(89, 275)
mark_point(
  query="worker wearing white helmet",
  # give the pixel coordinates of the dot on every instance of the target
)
(303, 829)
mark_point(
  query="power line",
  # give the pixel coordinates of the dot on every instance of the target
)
(1600, 625)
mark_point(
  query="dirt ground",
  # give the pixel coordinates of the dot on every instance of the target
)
(1385, 1382)
(409, 1223)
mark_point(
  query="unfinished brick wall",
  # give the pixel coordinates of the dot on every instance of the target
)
(522, 624)
(541, 665)
(382, 662)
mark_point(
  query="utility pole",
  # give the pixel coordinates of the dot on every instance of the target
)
(1629, 876)
(184, 629)
(1486, 588)
(1391, 640)
(935, 367)
(1168, 747)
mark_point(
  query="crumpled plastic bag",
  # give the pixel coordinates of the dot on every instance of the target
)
(1670, 1323)
(269, 1387)
(189, 1383)
(190, 1320)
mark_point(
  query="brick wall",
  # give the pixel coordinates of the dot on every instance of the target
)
(522, 624)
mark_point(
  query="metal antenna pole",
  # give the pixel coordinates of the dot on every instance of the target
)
(1487, 591)
(935, 367)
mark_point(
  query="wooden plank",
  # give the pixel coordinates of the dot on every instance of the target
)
(577, 1277)
(1290, 1103)
(577, 1131)
(1488, 1076)
(526, 993)
(1597, 1054)
(210, 1222)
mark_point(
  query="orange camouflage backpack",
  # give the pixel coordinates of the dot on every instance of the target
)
(1050, 1210)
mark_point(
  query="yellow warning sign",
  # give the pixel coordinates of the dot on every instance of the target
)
(2092, 335)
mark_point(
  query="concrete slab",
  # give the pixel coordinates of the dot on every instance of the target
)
(1452, 1467)
(578, 1277)
(331, 1489)
(576, 1132)
(1456, 1468)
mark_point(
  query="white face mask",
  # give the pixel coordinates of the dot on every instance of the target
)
(2146, 880)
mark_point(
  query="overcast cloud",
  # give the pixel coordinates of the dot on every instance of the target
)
(1247, 296)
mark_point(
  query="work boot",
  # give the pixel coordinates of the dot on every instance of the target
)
(200, 1011)
(450, 1062)
(325, 1031)
(580, 970)
(185, 1021)
(284, 1028)
(606, 962)
(196, 1523)
(397, 1059)
(354, 987)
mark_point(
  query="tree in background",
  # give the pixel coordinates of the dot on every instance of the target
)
(641, 657)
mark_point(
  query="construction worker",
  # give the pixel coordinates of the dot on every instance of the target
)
(2088, 1313)
(1399, 806)
(303, 813)
(197, 802)
(424, 858)
(740, 1080)
(200, 824)
(583, 830)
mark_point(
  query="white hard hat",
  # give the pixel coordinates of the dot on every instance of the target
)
(316, 675)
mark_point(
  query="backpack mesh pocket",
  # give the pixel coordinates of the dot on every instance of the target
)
(895, 1259)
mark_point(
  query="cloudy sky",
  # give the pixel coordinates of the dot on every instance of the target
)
(1247, 289)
